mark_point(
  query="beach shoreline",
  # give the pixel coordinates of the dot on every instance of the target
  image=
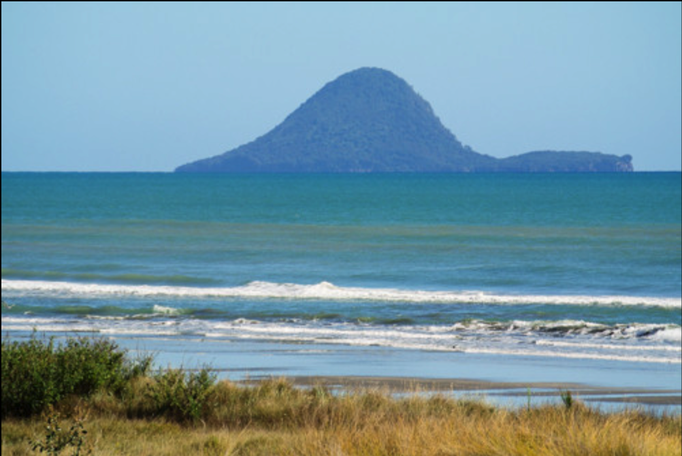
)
(484, 388)
(499, 380)
(100, 397)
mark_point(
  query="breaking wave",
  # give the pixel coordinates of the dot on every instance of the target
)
(320, 291)
(649, 343)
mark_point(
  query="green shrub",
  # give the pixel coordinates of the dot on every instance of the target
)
(58, 439)
(567, 399)
(38, 373)
(181, 395)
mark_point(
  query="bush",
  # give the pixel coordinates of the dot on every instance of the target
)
(181, 395)
(38, 373)
(57, 438)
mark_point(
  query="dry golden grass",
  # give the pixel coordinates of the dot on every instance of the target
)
(274, 418)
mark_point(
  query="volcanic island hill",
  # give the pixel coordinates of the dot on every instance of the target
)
(370, 120)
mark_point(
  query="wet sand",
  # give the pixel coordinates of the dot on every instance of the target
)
(501, 380)
(398, 385)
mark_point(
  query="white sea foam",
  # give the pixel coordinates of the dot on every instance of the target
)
(622, 347)
(48, 328)
(137, 331)
(669, 334)
(321, 291)
(10, 320)
(476, 338)
(165, 310)
(412, 341)
(660, 332)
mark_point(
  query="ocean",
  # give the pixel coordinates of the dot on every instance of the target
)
(553, 277)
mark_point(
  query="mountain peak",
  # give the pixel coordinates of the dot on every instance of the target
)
(366, 120)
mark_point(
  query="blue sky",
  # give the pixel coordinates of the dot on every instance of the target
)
(150, 86)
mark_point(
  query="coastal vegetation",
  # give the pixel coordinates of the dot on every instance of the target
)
(87, 396)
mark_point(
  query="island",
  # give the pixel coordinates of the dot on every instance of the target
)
(371, 121)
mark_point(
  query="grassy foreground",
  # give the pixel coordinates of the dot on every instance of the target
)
(87, 397)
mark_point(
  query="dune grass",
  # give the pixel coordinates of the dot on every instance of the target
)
(133, 411)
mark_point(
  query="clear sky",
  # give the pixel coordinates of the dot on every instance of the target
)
(150, 86)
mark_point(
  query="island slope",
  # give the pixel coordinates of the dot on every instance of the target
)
(370, 120)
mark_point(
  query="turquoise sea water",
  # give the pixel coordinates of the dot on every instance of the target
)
(535, 268)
